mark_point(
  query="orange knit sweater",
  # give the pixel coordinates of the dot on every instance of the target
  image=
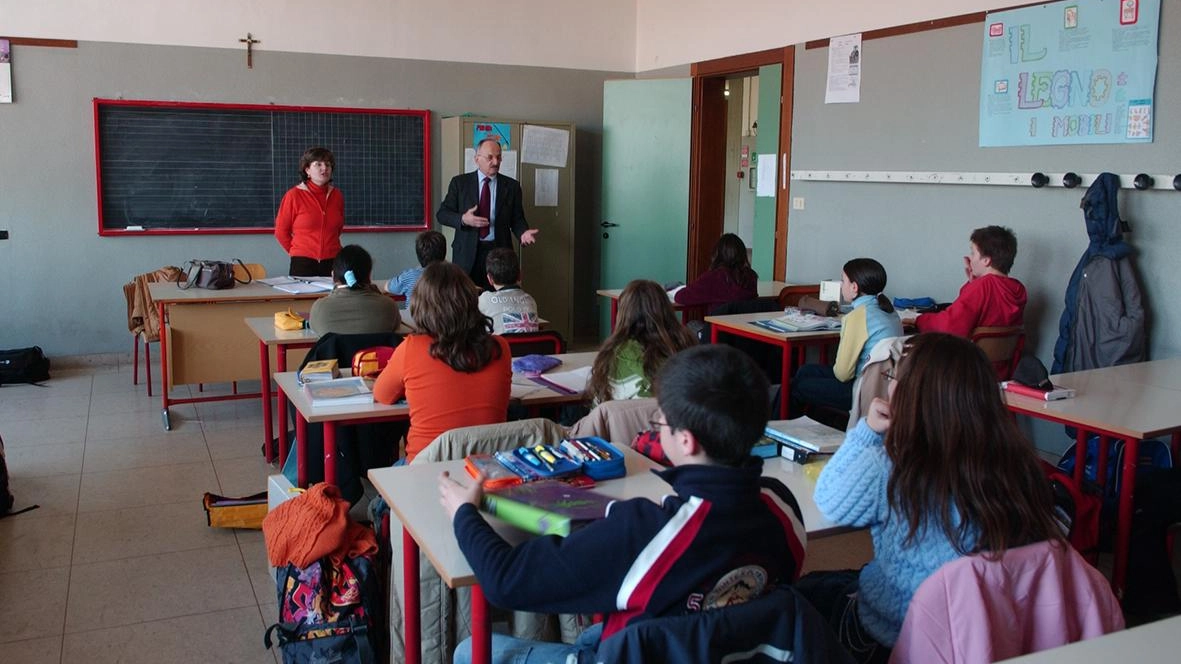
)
(441, 398)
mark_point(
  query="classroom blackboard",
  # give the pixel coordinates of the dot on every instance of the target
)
(178, 167)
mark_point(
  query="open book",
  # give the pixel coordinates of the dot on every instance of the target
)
(794, 320)
(299, 284)
(351, 391)
(566, 382)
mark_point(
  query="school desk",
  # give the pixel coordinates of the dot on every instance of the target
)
(766, 289)
(269, 336)
(203, 340)
(1154, 642)
(524, 392)
(412, 493)
(1130, 402)
(741, 325)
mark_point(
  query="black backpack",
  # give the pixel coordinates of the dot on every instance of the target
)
(23, 365)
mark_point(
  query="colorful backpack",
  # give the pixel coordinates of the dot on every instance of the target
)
(329, 613)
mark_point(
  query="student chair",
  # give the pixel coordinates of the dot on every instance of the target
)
(1030, 598)
(780, 626)
(1002, 346)
(142, 318)
(542, 342)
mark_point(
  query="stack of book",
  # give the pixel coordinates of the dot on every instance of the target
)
(794, 320)
(546, 507)
(319, 370)
(804, 438)
(351, 391)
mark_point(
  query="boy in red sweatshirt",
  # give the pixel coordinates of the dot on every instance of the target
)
(991, 298)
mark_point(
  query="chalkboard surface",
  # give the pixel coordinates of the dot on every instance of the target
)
(173, 167)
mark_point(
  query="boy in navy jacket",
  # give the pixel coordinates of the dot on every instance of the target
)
(724, 534)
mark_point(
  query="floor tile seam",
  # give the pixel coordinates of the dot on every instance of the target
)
(147, 467)
(155, 555)
(4, 642)
(136, 507)
(66, 633)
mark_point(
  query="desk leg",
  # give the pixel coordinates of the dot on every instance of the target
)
(614, 310)
(330, 453)
(784, 379)
(281, 406)
(1101, 461)
(163, 369)
(301, 452)
(411, 604)
(264, 370)
(713, 334)
(481, 628)
(1080, 455)
(1123, 527)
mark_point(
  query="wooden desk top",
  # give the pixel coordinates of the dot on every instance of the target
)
(412, 494)
(766, 289)
(743, 322)
(1140, 400)
(524, 391)
(264, 328)
(170, 293)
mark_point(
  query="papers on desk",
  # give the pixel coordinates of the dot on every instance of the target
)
(795, 320)
(299, 284)
(807, 433)
(565, 382)
(351, 391)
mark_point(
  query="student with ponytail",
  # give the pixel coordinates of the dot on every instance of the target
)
(871, 320)
(355, 305)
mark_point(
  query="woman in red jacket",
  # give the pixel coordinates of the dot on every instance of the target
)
(311, 217)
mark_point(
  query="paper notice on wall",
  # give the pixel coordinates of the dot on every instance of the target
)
(508, 162)
(5, 72)
(844, 70)
(545, 187)
(544, 146)
(766, 174)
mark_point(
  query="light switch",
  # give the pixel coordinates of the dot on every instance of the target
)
(797, 203)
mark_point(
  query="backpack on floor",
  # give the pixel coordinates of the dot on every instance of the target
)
(23, 365)
(1154, 455)
(329, 613)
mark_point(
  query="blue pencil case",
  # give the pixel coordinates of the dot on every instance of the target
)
(594, 457)
(603, 469)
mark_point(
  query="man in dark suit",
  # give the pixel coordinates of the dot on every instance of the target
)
(485, 209)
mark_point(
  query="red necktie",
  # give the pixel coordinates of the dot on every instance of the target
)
(484, 209)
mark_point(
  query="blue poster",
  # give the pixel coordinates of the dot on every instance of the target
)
(502, 131)
(1070, 72)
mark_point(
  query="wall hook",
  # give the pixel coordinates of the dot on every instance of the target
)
(1142, 181)
(1039, 180)
(1177, 182)
(1071, 180)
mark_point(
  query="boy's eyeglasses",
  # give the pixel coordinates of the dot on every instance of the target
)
(657, 424)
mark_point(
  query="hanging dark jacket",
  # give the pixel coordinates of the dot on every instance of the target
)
(1103, 323)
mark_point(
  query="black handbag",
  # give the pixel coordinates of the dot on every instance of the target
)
(213, 275)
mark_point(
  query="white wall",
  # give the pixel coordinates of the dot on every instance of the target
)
(674, 32)
(598, 35)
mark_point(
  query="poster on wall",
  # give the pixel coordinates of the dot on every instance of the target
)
(501, 131)
(1068, 73)
(844, 70)
(5, 72)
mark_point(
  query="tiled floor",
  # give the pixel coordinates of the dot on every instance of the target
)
(118, 565)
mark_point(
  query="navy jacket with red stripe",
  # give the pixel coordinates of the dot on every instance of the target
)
(725, 536)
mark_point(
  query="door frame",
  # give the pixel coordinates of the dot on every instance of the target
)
(707, 154)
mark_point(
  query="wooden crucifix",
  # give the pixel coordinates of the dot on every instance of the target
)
(250, 41)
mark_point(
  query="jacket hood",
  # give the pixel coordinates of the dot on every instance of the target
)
(1101, 212)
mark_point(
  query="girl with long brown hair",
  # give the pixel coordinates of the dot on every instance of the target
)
(938, 471)
(730, 277)
(647, 332)
(452, 371)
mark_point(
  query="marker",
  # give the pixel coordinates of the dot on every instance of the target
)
(546, 456)
(135, 228)
(531, 457)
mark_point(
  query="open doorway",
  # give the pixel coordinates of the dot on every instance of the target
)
(760, 91)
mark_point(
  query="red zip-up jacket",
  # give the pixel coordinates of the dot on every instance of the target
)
(310, 221)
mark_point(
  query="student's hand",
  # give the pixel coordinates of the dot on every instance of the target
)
(452, 494)
(878, 417)
(968, 268)
(529, 236)
(470, 218)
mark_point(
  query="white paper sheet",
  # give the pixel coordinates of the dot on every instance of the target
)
(766, 175)
(844, 70)
(545, 187)
(5, 72)
(544, 146)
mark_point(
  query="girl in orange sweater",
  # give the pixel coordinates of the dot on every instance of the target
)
(453, 372)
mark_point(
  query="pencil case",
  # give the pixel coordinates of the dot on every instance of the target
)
(496, 475)
(603, 469)
(545, 463)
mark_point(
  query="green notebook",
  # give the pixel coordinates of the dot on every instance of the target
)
(546, 507)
